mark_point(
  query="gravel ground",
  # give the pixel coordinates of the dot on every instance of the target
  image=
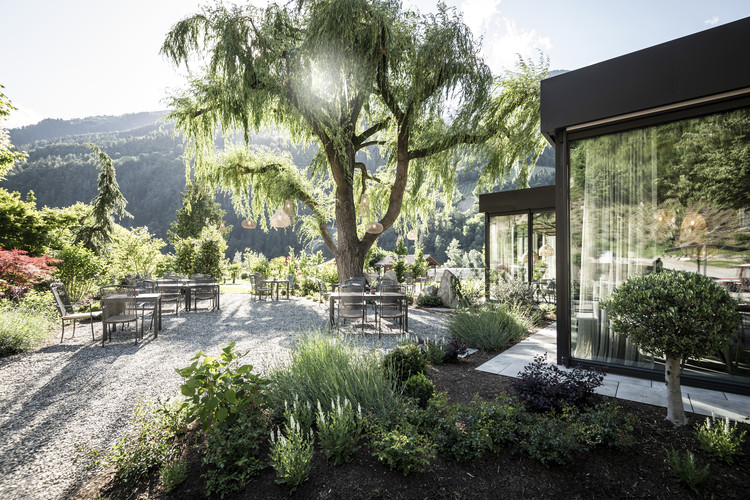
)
(78, 393)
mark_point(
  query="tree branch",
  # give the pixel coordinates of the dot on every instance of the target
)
(365, 173)
(445, 145)
(371, 143)
(359, 140)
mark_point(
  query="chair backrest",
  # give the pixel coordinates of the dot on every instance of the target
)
(61, 298)
(352, 298)
(258, 281)
(168, 290)
(123, 306)
(385, 282)
(322, 288)
(202, 278)
(356, 280)
(391, 288)
(108, 290)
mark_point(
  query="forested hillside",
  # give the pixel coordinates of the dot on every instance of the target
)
(151, 173)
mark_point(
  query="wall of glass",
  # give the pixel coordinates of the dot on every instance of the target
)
(673, 196)
(509, 250)
(509, 240)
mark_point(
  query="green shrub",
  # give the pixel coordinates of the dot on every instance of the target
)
(550, 438)
(512, 292)
(291, 454)
(720, 439)
(325, 367)
(466, 432)
(231, 453)
(244, 276)
(77, 269)
(403, 362)
(429, 300)
(685, 469)
(339, 431)
(218, 390)
(434, 350)
(445, 423)
(403, 448)
(150, 445)
(25, 324)
(173, 474)
(420, 388)
(487, 327)
(308, 286)
(604, 425)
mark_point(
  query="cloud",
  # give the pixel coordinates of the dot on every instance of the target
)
(713, 21)
(502, 39)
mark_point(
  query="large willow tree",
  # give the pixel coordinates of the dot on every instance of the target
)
(347, 76)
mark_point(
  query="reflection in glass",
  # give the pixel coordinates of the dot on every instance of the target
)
(509, 251)
(674, 196)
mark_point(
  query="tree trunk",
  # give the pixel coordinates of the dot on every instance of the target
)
(350, 264)
(675, 409)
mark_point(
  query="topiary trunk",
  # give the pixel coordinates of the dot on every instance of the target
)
(675, 409)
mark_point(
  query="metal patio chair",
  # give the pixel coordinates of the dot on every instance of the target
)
(67, 311)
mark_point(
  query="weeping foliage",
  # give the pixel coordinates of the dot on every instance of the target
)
(348, 76)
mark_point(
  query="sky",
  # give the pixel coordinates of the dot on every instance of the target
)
(78, 58)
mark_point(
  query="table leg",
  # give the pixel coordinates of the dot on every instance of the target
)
(406, 314)
(330, 313)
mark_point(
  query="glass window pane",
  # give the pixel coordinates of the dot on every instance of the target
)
(673, 196)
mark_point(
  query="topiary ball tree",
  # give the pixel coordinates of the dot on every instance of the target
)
(677, 314)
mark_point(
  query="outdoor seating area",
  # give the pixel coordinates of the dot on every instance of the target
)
(297, 288)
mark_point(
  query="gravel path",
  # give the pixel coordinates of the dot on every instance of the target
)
(78, 393)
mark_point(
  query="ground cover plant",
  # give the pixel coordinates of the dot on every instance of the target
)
(472, 439)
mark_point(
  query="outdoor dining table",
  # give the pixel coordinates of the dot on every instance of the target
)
(188, 286)
(142, 297)
(377, 297)
(278, 284)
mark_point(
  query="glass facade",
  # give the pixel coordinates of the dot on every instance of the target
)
(509, 250)
(672, 196)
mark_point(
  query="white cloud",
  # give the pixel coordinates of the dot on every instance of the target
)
(502, 39)
(713, 21)
(505, 41)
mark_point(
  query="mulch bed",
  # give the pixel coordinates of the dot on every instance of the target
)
(601, 473)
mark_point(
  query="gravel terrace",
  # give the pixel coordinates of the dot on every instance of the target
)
(62, 396)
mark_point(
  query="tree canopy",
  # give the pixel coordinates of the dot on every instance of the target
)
(349, 76)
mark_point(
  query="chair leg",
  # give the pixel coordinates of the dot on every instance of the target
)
(63, 331)
(92, 329)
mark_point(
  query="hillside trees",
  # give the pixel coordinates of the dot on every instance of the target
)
(349, 76)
